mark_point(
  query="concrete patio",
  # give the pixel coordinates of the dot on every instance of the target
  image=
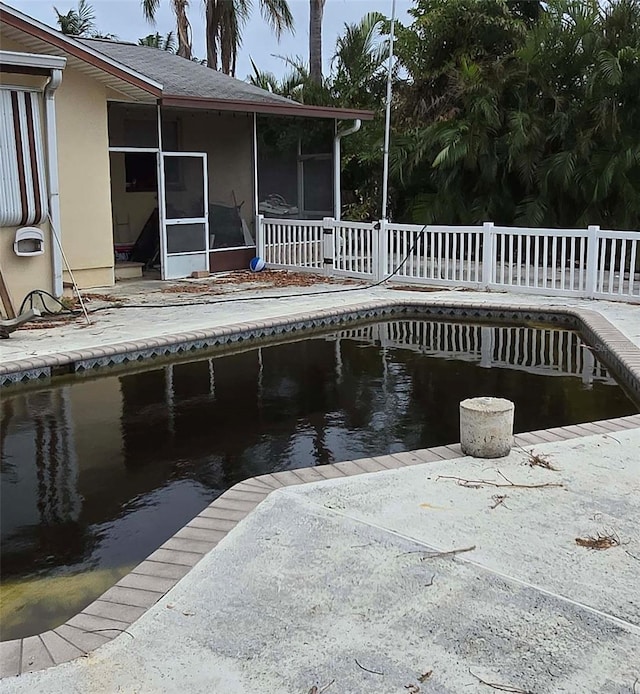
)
(224, 300)
(339, 584)
(448, 576)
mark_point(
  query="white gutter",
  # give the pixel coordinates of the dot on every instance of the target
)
(52, 179)
(19, 59)
(337, 168)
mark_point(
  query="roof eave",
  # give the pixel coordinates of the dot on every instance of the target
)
(15, 19)
(265, 108)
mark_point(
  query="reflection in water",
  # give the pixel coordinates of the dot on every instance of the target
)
(98, 473)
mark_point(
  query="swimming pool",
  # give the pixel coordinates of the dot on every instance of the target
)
(97, 472)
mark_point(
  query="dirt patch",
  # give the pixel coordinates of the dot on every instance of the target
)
(108, 298)
(43, 324)
(189, 289)
(266, 279)
(414, 288)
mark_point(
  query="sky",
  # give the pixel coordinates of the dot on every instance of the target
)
(124, 19)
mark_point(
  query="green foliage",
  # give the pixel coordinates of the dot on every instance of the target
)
(163, 43)
(80, 22)
(520, 119)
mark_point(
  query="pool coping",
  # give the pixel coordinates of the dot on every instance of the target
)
(617, 351)
(124, 603)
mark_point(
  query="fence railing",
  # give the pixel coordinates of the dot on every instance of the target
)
(292, 244)
(353, 251)
(588, 263)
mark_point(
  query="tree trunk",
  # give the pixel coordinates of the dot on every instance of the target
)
(184, 28)
(316, 10)
(212, 53)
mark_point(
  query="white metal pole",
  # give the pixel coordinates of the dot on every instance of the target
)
(52, 179)
(387, 124)
(161, 198)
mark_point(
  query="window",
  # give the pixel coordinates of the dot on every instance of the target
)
(141, 175)
(141, 172)
(23, 190)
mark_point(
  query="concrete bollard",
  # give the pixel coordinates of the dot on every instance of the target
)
(486, 427)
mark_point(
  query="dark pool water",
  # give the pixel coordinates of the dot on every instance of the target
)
(97, 473)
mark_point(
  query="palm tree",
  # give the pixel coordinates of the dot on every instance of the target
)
(81, 22)
(183, 27)
(535, 127)
(358, 74)
(358, 64)
(316, 11)
(164, 43)
(226, 20)
(296, 84)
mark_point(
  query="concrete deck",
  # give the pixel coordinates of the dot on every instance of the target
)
(336, 583)
(259, 304)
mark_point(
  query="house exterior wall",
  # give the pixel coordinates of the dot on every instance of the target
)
(22, 274)
(83, 177)
(83, 166)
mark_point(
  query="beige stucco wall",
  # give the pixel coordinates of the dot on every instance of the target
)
(85, 200)
(22, 274)
(83, 166)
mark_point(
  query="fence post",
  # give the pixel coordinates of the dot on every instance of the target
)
(379, 250)
(488, 251)
(328, 245)
(591, 271)
(261, 244)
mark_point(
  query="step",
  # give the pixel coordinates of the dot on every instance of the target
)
(128, 270)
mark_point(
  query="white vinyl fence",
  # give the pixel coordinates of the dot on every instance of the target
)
(589, 263)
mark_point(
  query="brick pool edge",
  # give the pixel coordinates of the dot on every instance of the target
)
(614, 349)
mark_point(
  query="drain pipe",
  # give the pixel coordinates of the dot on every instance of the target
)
(52, 179)
(337, 201)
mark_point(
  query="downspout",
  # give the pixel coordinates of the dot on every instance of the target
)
(337, 168)
(52, 176)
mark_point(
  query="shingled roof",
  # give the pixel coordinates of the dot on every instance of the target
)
(149, 75)
(188, 84)
(180, 77)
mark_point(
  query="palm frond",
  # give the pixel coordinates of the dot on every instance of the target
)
(149, 9)
(278, 16)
